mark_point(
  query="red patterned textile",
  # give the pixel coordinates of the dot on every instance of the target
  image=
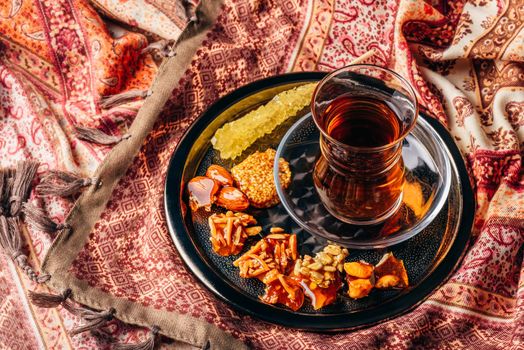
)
(466, 60)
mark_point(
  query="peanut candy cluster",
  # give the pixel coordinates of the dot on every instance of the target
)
(278, 250)
(230, 230)
(322, 270)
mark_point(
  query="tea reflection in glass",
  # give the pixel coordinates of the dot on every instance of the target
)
(363, 113)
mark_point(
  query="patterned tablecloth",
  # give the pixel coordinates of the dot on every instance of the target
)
(59, 57)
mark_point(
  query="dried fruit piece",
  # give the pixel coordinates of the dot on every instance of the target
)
(254, 177)
(232, 198)
(220, 175)
(202, 192)
(274, 252)
(390, 265)
(228, 232)
(387, 281)
(358, 269)
(234, 137)
(359, 288)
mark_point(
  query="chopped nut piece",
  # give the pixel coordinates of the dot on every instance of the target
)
(333, 249)
(359, 288)
(387, 281)
(228, 232)
(359, 269)
(254, 230)
(315, 266)
(277, 236)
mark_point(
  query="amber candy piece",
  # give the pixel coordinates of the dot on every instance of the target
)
(389, 265)
(202, 192)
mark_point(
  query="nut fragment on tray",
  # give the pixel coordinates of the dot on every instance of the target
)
(320, 276)
(230, 230)
(277, 251)
(254, 177)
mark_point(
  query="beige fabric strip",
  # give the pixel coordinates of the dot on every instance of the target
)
(90, 205)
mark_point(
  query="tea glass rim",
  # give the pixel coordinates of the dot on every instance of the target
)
(406, 84)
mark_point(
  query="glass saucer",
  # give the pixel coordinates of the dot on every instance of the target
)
(428, 180)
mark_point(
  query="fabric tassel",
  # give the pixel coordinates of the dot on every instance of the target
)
(62, 183)
(97, 136)
(37, 218)
(148, 344)
(47, 300)
(25, 171)
(107, 102)
(94, 319)
(8, 185)
(11, 242)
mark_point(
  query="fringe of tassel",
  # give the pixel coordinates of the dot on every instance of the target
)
(14, 190)
(47, 300)
(94, 319)
(11, 242)
(148, 344)
(98, 136)
(108, 102)
(62, 183)
(25, 171)
(37, 218)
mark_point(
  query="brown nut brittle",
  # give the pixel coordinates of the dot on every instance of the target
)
(359, 269)
(390, 265)
(282, 289)
(359, 287)
(275, 251)
(320, 276)
(228, 232)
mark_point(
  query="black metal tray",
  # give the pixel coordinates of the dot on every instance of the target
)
(430, 257)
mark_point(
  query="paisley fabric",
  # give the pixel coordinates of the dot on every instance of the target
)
(465, 59)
